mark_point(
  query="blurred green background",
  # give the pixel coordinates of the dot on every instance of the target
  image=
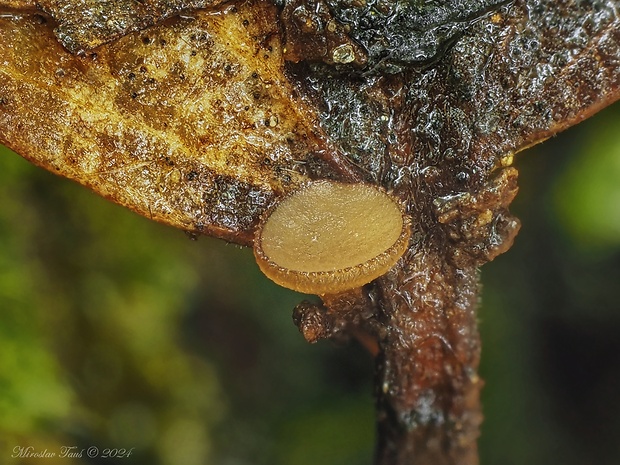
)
(120, 333)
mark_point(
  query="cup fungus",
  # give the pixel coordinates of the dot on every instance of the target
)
(329, 237)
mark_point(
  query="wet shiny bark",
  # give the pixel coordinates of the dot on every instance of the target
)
(443, 139)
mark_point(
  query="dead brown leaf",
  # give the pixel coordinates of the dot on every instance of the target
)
(191, 123)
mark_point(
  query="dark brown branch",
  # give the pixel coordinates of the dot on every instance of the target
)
(443, 139)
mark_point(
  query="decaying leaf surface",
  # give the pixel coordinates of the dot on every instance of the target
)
(86, 24)
(184, 123)
(200, 122)
(94, 22)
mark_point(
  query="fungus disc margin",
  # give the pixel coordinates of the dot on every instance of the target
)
(329, 237)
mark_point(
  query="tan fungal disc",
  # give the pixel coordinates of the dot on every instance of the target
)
(329, 237)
